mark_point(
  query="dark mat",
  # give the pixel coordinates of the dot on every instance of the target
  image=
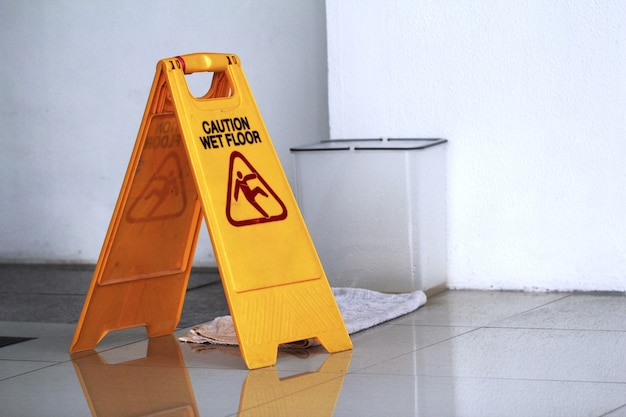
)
(9, 340)
(56, 294)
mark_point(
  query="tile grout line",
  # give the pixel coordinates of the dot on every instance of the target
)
(568, 295)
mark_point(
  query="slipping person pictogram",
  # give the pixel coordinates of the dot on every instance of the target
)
(241, 184)
(260, 205)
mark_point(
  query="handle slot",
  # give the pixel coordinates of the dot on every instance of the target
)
(218, 82)
(202, 69)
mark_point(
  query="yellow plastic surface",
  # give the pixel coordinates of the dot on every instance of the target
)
(210, 155)
(142, 273)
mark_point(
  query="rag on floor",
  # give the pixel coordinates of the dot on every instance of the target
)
(360, 309)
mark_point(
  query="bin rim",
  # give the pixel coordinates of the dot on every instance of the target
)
(385, 144)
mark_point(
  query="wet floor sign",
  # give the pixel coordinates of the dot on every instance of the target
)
(210, 157)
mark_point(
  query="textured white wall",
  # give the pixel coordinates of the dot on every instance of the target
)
(531, 95)
(75, 79)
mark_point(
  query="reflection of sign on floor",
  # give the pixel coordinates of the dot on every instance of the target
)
(157, 385)
(313, 394)
(250, 199)
(164, 195)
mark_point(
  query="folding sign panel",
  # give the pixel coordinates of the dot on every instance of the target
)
(210, 156)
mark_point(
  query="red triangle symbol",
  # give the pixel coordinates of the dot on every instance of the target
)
(250, 199)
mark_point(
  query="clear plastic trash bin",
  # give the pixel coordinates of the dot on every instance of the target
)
(376, 211)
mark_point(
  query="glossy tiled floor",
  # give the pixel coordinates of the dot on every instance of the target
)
(465, 353)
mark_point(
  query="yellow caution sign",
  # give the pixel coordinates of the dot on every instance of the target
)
(211, 156)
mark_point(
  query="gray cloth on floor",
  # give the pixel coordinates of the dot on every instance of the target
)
(360, 309)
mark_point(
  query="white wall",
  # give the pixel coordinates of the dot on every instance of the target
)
(75, 79)
(531, 95)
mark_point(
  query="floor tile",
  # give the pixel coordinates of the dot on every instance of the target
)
(377, 395)
(51, 391)
(12, 368)
(52, 340)
(384, 342)
(230, 392)
(619, 412)
(564, 355)
(578, 311)
(217, 393)
(477, 308)
(465, 353)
